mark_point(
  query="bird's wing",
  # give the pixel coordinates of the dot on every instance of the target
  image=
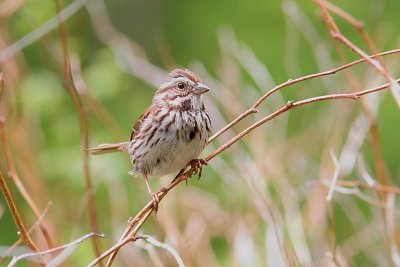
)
(136, 127)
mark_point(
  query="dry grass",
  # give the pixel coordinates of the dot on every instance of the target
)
(313, 188)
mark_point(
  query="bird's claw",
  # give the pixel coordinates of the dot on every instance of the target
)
(197, 165)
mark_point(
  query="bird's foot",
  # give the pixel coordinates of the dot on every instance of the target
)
(197, 165)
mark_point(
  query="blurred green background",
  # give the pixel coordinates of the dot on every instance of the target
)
(261, 203)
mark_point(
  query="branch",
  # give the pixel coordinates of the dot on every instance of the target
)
(336, 34)
(324, 6)
(30, 230)
(130, 232)
(14, 212)
(73, 243)
(253, 109)
(289, 106)
(83, 126)
(21, 188)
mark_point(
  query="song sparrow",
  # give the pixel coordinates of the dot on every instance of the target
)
(171, 132)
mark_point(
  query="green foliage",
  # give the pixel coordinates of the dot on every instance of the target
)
(268, 186)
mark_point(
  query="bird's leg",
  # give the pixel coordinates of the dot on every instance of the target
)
(154, 196)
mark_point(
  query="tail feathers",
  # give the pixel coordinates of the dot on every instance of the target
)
(108, 148)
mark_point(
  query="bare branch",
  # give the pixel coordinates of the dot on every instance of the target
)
(336, 34)
(21, 187)
(253, 109)
(73, 243)
(142, 216)
(30, 230)
(15, 214)
(84, 129)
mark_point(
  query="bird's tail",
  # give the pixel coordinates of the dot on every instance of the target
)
(108, 148)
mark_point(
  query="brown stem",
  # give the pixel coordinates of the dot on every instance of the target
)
(21, 188)
(83, 123)
(253, 109)
(323, 6)
(183, 176)
(14, 212)
(30, 230)
(73, 243)
(337, 35)
(358, 25)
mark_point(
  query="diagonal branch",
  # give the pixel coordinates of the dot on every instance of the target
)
(253, 109)
(336, 34)
(15, 214)
(130, 233)
(30, 230)
(73, 243)
(21, 187)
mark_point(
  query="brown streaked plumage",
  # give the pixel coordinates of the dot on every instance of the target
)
(171, 132)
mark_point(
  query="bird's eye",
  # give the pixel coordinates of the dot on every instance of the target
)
(181, 85)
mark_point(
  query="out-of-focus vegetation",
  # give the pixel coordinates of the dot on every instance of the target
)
(260, 203)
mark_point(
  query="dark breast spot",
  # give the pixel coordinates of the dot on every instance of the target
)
(193, 133)
(186, 105)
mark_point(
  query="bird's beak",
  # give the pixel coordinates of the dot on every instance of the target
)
(200, 89)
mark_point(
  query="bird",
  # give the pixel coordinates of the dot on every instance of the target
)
(171, 132)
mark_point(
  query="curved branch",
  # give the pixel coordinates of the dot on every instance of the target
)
(253, 109)
(130, 232)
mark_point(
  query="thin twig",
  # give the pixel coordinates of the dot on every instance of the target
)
(12, 172)
(358, 25)
(183, 176)
(253, 109)
(116, 247)
(30, 230)
(395, 90)
(73, 243)
(83, 125)
(291, 105)
(15, 214)
(394, 87)
(324, 6)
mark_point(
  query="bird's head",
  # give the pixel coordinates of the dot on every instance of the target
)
(182, 88)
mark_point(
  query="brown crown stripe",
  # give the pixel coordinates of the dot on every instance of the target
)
(185, 73)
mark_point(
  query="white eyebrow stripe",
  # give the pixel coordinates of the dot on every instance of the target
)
(176, 80)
